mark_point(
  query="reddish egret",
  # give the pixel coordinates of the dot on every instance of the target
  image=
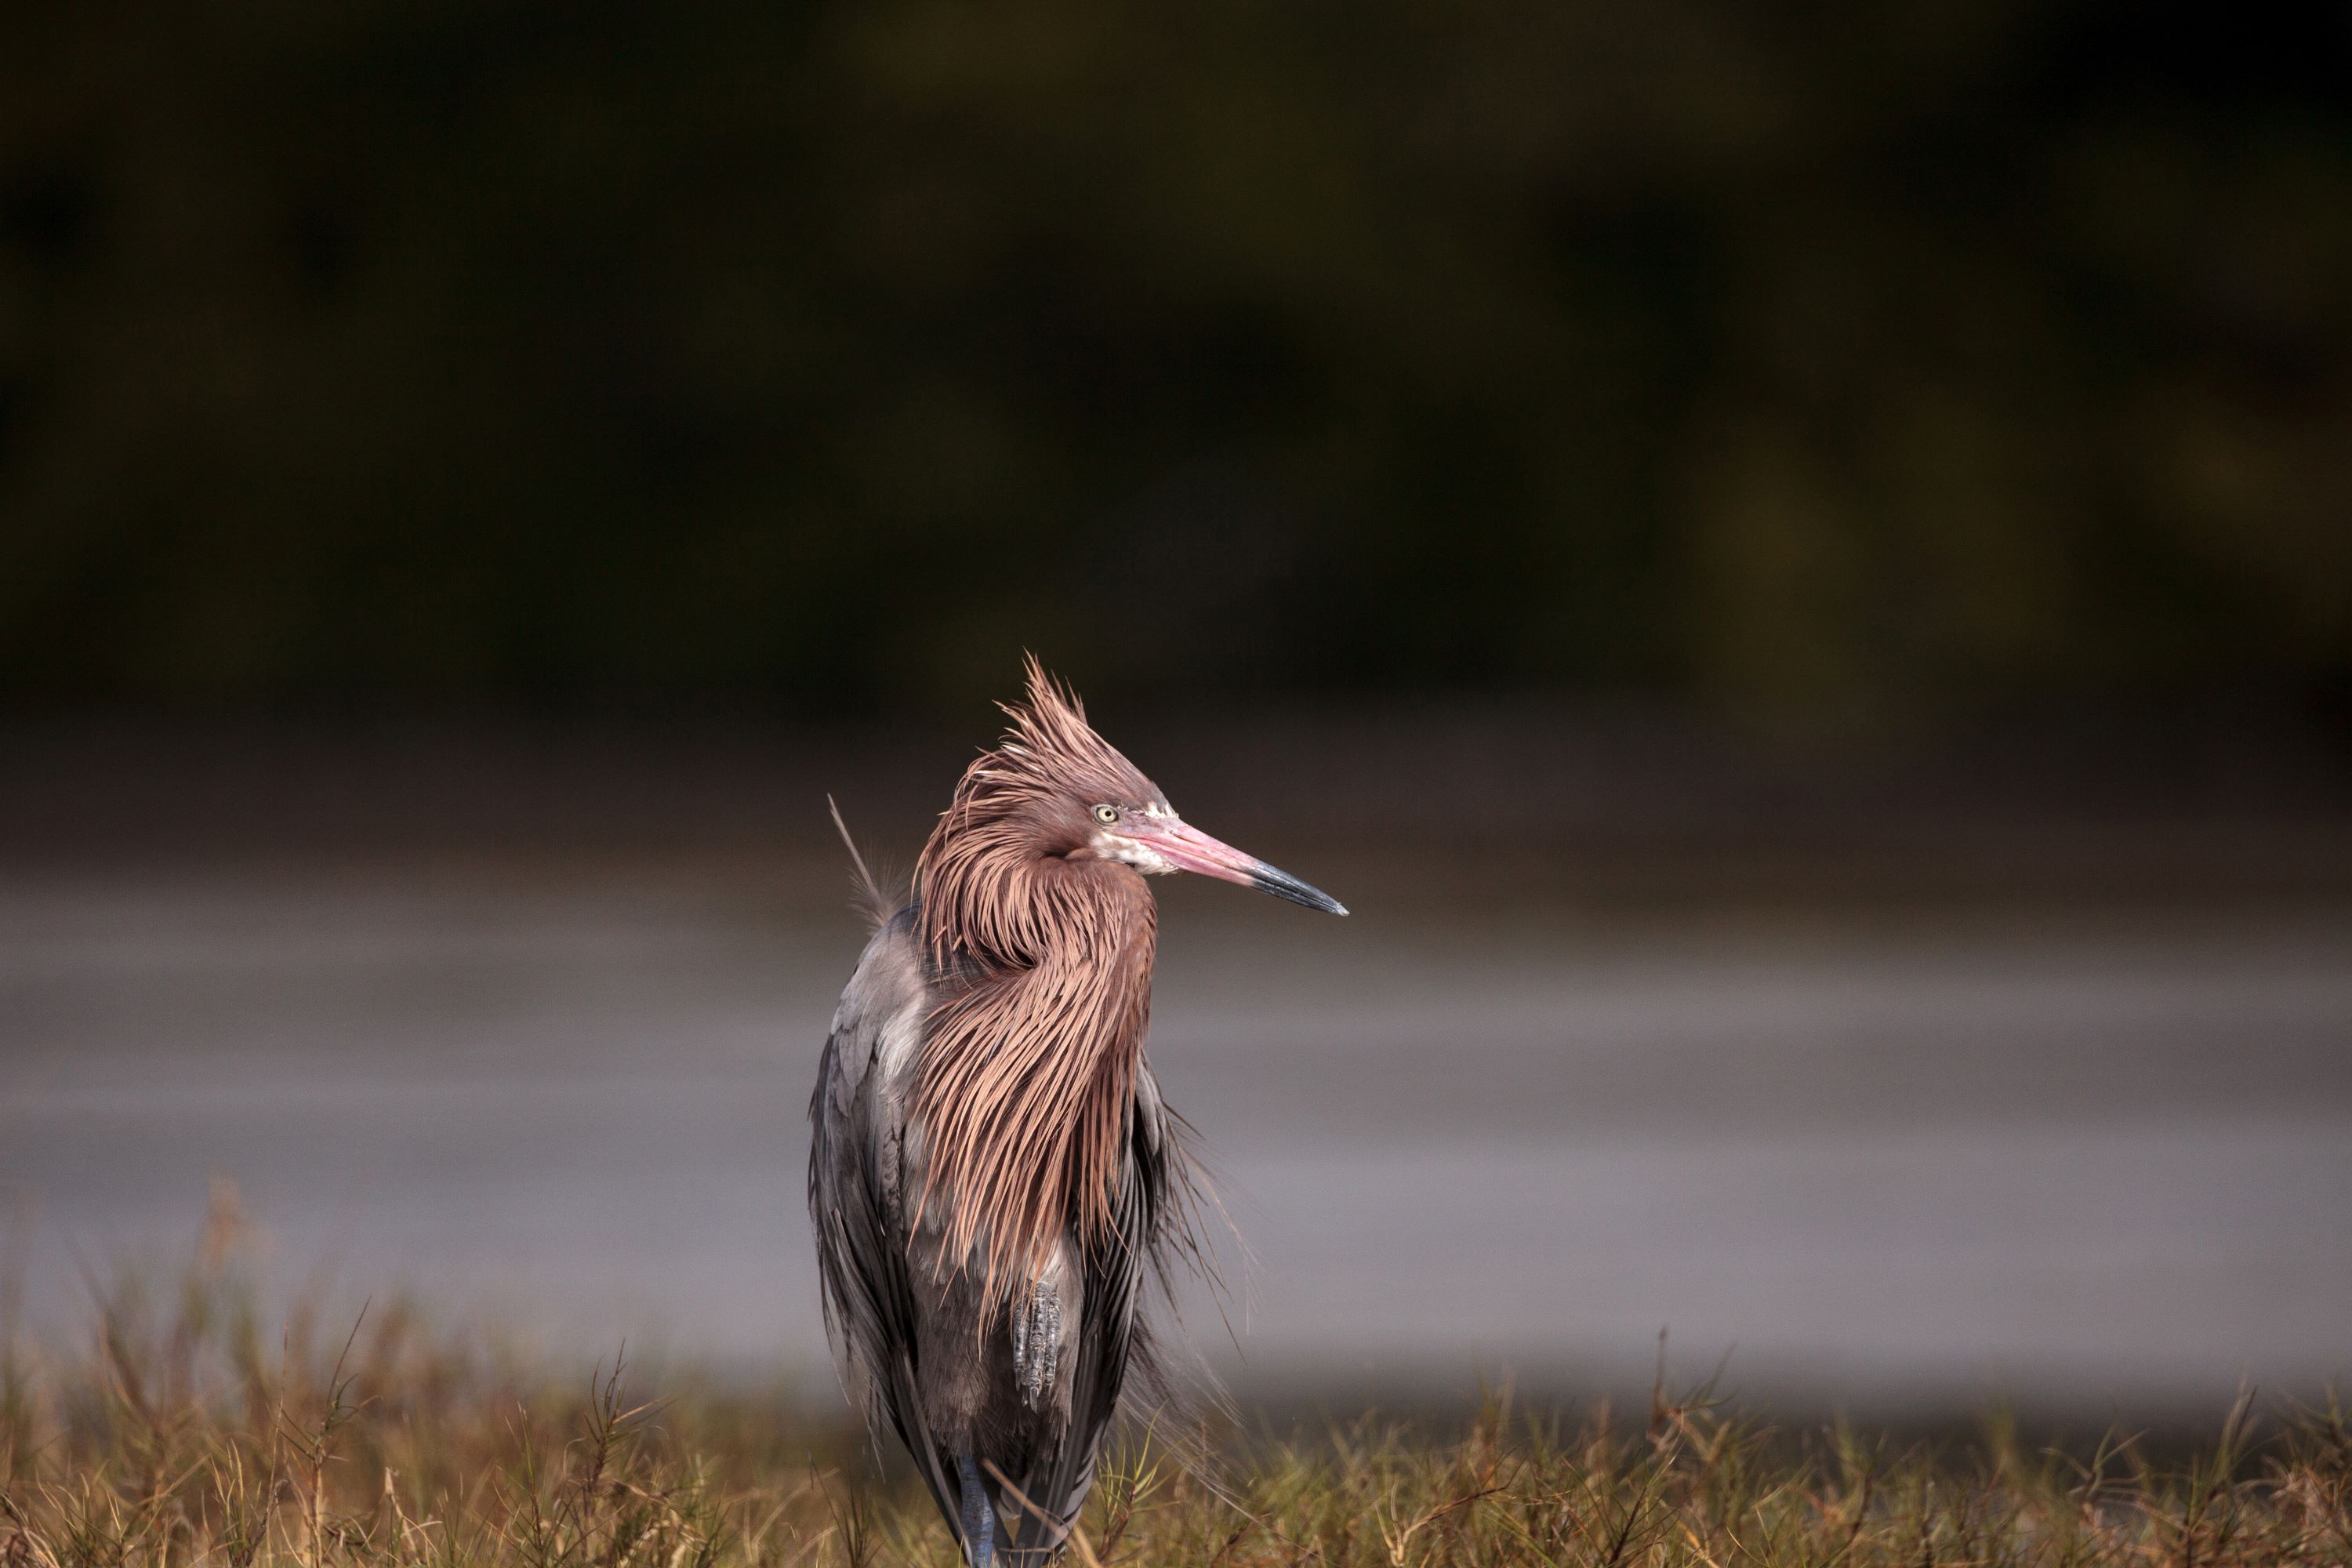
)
(993, 1171)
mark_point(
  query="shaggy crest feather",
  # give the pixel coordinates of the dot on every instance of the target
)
(1027, 1076)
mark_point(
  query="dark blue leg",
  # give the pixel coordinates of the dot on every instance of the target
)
(979, 1517)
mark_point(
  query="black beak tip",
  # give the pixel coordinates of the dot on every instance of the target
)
(1283, 885)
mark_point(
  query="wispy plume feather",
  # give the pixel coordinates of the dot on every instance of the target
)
(875, 904)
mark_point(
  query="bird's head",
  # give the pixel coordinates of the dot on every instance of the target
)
(1054, 788)
(1147, 834)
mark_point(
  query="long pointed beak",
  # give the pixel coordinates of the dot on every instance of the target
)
(1188, 848)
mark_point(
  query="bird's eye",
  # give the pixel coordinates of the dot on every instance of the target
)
(1106, 814)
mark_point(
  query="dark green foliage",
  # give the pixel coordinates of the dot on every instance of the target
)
(829, 354)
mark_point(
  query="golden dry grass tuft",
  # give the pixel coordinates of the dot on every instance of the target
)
(187, 1436)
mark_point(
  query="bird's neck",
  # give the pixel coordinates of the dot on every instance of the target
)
(1027, 1078)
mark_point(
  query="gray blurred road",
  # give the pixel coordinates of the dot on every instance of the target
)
(2093, 1163)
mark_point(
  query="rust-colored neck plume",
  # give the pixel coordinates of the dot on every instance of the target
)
(1027, 1075)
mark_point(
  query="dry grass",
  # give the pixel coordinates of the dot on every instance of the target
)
(186, 1435)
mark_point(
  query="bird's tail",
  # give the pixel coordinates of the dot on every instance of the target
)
(871, 899)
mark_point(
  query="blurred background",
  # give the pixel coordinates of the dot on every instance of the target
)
(1791, 566)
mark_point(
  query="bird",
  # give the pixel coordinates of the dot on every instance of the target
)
(993, 1175)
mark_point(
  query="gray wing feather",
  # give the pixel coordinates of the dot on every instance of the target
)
(869, 1301)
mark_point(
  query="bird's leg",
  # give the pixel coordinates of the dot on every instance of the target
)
(978, 1516)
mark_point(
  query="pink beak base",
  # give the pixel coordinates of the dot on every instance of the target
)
(1188, 849)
